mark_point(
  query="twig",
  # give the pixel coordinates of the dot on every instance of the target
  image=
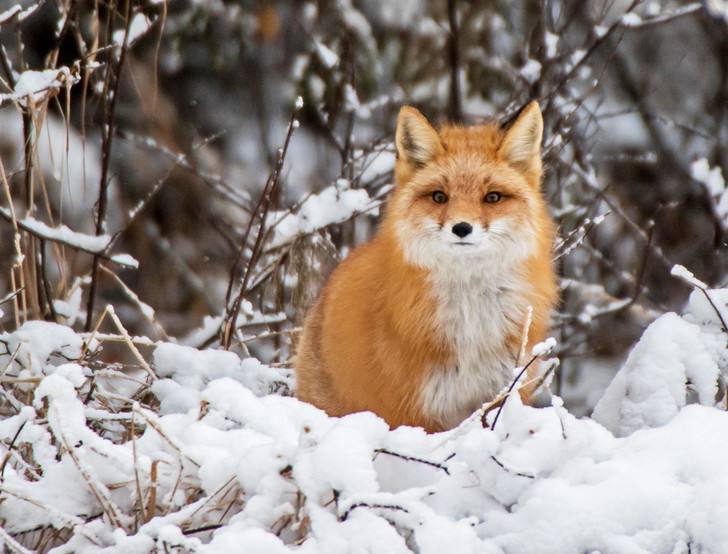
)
(98, 489)
(590, 181)
(108, 134)
(10, 449)
(7, 215)
(146, 310)
(664, 17)
(152, 499)
(261, 211)
(154, 424)
(137, 483)
(638, 288)
(202, 529)
(46, 284)
(456, 104)
(508, 470)
(215, 182)
(510, 389)
(592, 48)
(687, 277)
(577, 236)
(411, 459)
(130, 343)
(231, 483)
(10, 296)
(9, 542)
(356, 505)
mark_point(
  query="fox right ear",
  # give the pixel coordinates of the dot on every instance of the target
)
(417, 141)
(521, 145)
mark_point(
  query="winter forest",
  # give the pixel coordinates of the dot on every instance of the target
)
(179, 177)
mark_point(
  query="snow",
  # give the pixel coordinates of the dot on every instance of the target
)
(94, 244)
(269, 473)
(39, 85)
(543, 348)
(125, 259)
(531, 71)
(717, 8)
(712, 178)
(600, 30)
(714, 182)
(70, 163)
(90, 243)
(631, 19)
(327, 56)
(35, 343)
(651, 388)
(248, 317)
(687, 276)
(138, 26)
(551, 41)
(10, 13)
(334, 204)
(357, 23)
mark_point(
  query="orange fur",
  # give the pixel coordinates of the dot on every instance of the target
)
(388, 331)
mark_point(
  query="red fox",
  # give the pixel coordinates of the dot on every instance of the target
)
(425, 322)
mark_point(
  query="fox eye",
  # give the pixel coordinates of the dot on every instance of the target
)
(493, 197)
(439, 197)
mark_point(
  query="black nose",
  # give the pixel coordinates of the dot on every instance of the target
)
(462, 229)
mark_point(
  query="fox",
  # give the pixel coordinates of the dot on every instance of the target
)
(427, 321)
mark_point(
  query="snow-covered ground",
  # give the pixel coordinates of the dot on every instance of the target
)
(192, 453)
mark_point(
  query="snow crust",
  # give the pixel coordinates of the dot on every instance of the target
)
(230, 467)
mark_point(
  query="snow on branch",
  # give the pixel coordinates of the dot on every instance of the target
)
(36, 86)
(91, 244)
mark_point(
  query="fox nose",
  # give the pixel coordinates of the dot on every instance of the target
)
(462, 229)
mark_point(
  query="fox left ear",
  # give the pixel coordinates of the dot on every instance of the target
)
(418, 143)
(521, 146)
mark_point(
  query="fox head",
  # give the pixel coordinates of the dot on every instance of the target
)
(468, 194)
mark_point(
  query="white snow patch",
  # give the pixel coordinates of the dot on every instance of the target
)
(91, 243)
(651, 387)
(39, 85)
(335, 204)
(327, 56)
(138, 26)
(631, 20)
(531, 71)
(714, 182)
(10, 13)
(552, 44)
(717, 8)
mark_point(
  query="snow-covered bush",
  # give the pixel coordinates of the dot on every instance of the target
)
(190, 458)
(675, 355)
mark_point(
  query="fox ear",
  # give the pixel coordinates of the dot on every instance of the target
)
(521, 146)
(417, 141)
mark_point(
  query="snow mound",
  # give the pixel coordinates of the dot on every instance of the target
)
(676, 357)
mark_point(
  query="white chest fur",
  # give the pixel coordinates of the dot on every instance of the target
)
(476, 312)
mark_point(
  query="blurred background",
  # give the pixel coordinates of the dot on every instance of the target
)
(173, 132)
